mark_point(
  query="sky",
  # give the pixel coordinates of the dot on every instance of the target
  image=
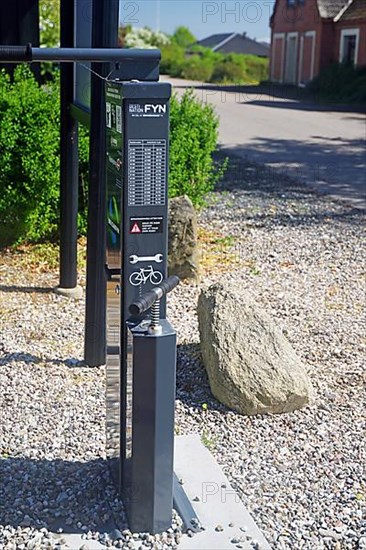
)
(203, 18)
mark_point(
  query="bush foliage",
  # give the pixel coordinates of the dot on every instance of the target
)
(341, 82)
(193, 139)
(30, 163)
(181, 57)
(29, 160)
(204, 64)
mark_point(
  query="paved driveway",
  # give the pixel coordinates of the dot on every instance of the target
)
(321, 146)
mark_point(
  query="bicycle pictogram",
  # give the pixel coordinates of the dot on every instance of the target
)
(142, 276)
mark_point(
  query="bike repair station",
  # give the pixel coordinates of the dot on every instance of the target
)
(116, 92)
(140, 342)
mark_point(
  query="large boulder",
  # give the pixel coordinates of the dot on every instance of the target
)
(251, 366)
(183, 240)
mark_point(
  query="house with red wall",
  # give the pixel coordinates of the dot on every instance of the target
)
(308, 35)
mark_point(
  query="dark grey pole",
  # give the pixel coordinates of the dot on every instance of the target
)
(69, 164)
(105, 35)
(100, 55)
(19, 24)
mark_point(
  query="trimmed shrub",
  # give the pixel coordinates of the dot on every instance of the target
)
(341, 82)
(256, 69)
(229, 70)
(197, 68)
(30, 163)
(193, 139)
(29, 160)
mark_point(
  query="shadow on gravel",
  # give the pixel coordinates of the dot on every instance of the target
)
(71, 362)
(295, 203)
(26, 289)
(193, 388)
(57, 494)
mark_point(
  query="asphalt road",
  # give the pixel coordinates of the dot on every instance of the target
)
(321, 146)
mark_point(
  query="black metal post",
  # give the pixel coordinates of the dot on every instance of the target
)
(19, 24)
(105, 35)
(69, 164)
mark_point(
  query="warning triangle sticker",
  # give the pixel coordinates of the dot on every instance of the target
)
(135, 228)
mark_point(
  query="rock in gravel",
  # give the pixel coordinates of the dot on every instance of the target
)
(116, 535)
(251, 366)
(183, 239)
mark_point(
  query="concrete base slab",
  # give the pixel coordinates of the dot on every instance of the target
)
(213, 499)
(76, 293)
(216, 503)
(75, 542)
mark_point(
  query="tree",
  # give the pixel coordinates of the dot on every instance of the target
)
(49, 20)
(183, 37)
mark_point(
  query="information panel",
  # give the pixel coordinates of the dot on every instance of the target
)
(146, 172)
(137, 123)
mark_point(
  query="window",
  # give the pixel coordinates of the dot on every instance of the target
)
(348, 49)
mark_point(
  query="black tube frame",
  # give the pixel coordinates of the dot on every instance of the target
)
(105, 34)
(69, 160)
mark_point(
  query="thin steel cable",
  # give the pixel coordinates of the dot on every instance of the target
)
(105, 78)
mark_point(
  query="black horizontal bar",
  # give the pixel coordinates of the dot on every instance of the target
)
(27, 54)
(94, 55)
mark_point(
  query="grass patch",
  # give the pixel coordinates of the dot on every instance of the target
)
(217, 252)
(208, 440)
(41, 257)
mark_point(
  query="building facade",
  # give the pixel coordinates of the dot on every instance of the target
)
(308, 35)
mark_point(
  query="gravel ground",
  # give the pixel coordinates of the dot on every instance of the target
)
(301, 256)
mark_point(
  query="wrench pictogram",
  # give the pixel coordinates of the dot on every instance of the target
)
(135, 259)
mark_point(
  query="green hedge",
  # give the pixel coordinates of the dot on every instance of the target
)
(204, 64)
(30, 162)
(29, 158)
(193, 139)
(341, 82)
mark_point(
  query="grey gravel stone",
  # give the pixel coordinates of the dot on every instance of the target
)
(329, 533)
(301, 256)
(116, 534)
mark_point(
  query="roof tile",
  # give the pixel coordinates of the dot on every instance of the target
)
(357, 10)
(330, 8)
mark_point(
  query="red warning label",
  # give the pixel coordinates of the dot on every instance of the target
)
(150, 225)
(135, 228)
